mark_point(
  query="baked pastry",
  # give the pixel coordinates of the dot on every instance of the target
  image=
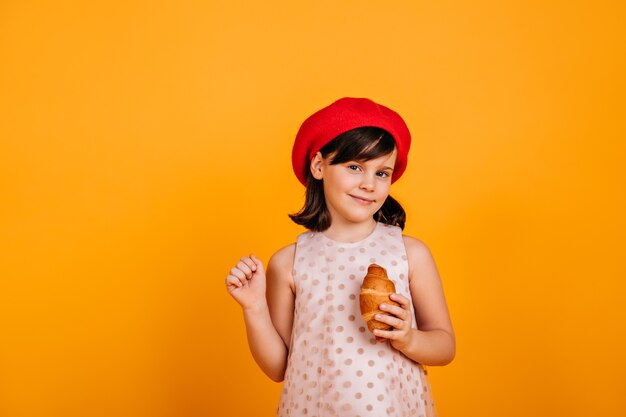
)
(375, 290)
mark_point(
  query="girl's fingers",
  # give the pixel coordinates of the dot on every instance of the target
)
(395, 310)
(243, 271)
(394, 322)
(233, 281)
(243, 267)
(238, 273)
(257, 262)
(387, 334)
(402, 300)
(249, 263)
(241, 277)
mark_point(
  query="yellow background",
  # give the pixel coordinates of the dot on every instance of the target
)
(145, 146)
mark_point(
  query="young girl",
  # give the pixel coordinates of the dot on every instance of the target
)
(303, 317)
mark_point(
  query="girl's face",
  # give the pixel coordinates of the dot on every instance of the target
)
(355, 190)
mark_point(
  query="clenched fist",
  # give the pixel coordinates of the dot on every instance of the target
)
(246, 282)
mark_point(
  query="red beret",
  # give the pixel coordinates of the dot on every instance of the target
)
(339, 117)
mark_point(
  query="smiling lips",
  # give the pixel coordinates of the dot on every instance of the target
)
(362, 200)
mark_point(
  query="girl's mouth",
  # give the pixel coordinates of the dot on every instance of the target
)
(362, 200)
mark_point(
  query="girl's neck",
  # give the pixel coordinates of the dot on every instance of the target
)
(349, 232)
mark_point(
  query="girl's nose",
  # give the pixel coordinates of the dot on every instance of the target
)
(367, 183)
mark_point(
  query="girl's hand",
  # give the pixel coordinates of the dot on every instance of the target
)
(246, 282)
(400, 320)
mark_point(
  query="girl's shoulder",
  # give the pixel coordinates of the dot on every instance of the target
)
(283, 257)
(280, 266)
(418, 254)
(414, 243)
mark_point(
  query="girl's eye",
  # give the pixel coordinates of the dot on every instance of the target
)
(380, 174)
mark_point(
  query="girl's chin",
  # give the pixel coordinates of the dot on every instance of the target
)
(365, 218)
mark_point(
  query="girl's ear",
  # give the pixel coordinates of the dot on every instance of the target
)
(317, 166)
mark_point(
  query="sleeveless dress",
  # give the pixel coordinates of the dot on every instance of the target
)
(335, 366)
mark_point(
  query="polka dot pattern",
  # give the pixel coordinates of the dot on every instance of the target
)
(336, 367)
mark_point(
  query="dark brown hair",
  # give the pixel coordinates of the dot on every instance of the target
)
(360, 144)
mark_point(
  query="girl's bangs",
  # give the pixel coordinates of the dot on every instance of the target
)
(361, 144)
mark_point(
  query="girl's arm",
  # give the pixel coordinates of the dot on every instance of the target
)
(267, 308)
(433, 342)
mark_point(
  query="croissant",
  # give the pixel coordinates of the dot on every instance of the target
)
(375, 290)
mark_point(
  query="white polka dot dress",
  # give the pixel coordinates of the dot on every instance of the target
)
(335, 366)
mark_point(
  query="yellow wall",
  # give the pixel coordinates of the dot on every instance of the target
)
(145, 147)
